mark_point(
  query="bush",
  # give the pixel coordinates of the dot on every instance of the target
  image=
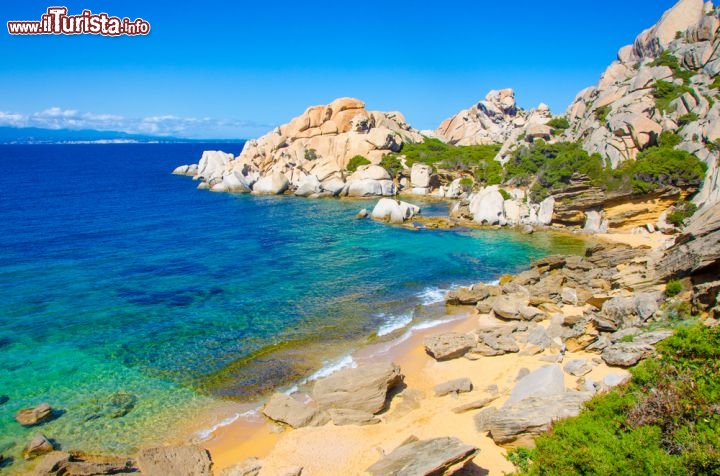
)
(666, 92)
(662, 166)
(356, 162)
(668, 59)
(601, 113)
(673, 288)
(310, 154)
(716, 83)
(392, 164)
(478, 160)
(682, 211)
(505, 194)
(686, 119)
(665, 421)
(558, 124)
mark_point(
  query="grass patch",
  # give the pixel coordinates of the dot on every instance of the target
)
(673, 288)
(665, 421)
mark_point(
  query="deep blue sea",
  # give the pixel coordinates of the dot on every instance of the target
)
(117, 276)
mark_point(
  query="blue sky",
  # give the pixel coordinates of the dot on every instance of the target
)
(235, 69)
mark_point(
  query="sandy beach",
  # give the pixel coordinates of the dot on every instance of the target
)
(416, 411)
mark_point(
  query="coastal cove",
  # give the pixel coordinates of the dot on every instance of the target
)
(121, 280)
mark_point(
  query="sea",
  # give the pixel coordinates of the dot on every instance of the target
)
(134, 303)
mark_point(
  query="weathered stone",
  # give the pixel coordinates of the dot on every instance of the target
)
(461, 385)
(578, 367)
(51, 464)
(247, 467)
(287, 409)
(420, 175)
(450, 345)
(187, 460)
(534, 415)
(274, 184)
(654, 337)
(484, 419)
(363, 213)
(394, 211)
(363, 388)
(614, 379)
(34, 416)
(508, 306)
(117, 405)
(476, 405)
(39, 445)
(626, 354)
(438, 456)
(345, 416)
(545, 381)
(569, 296)
(468, 296)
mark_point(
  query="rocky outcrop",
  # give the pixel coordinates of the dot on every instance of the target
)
(39, 445)
(438, 456)
(318, 144)
(489, 206)
(176, 460)
(59, 463)
(620, 116)
(496, 120)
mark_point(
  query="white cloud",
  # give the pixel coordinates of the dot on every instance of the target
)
(160, 125)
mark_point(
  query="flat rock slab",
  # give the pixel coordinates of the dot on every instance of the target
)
(438, 456)
(187, 460)
(286, 409)
(343, 416)
(450, 345)
(545, 381)
(578, 367)
(460, 385)
(476, 405)
(364, 388)
(533, 415)
(626, 354)
(34, 416)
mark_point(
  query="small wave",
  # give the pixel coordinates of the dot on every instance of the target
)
(331, 368)
(433, 323)
(395, 323)
(203, 435)
(433, 295)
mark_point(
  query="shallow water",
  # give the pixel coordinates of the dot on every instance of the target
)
(119, 277)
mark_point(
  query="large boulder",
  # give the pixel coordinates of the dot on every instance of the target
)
(186, 460)
(309, 186)
(545, 213)
(212, 164)
(420, 175)
(394, 211)
(437, 456)
(685, 14)
(533, 415)
(543, 382)
(630, 311)
(34, 416)
(449, 345)
(488, 207)
(287, 409)
(626, 354)
(274, 184)
(363, 388)
(370, 188)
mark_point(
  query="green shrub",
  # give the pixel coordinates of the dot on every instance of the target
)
(665, 421)
(666, 92)
(310, 154)
(505, 194)
(558, 125)
(466, 182)
(686, 119)
(478, 160)
(673, 288)
(668, 59)
(669, 139)
(601, 113)
(356, 162)
(716, 83)
(662, 166)
(682, 211)
(392, 164)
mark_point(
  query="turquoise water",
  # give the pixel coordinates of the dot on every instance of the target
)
(119, 277)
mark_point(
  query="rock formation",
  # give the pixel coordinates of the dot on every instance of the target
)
(310, 154)
(621, 116)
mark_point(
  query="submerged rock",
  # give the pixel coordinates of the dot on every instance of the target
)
(117, 405)
(34, 416)
(438, 456)
(39, 445)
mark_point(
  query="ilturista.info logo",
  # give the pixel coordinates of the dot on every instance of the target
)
(57, 22)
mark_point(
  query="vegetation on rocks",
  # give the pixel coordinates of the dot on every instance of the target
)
(663, 167)
(673, 288)
(601, 113)
(665, 421)
(682, 211)
(476, 159)
(356, 162)
(558, 125)
(671, 61)
(666, 92)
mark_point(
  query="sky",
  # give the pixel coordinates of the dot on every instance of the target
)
(236, 69)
